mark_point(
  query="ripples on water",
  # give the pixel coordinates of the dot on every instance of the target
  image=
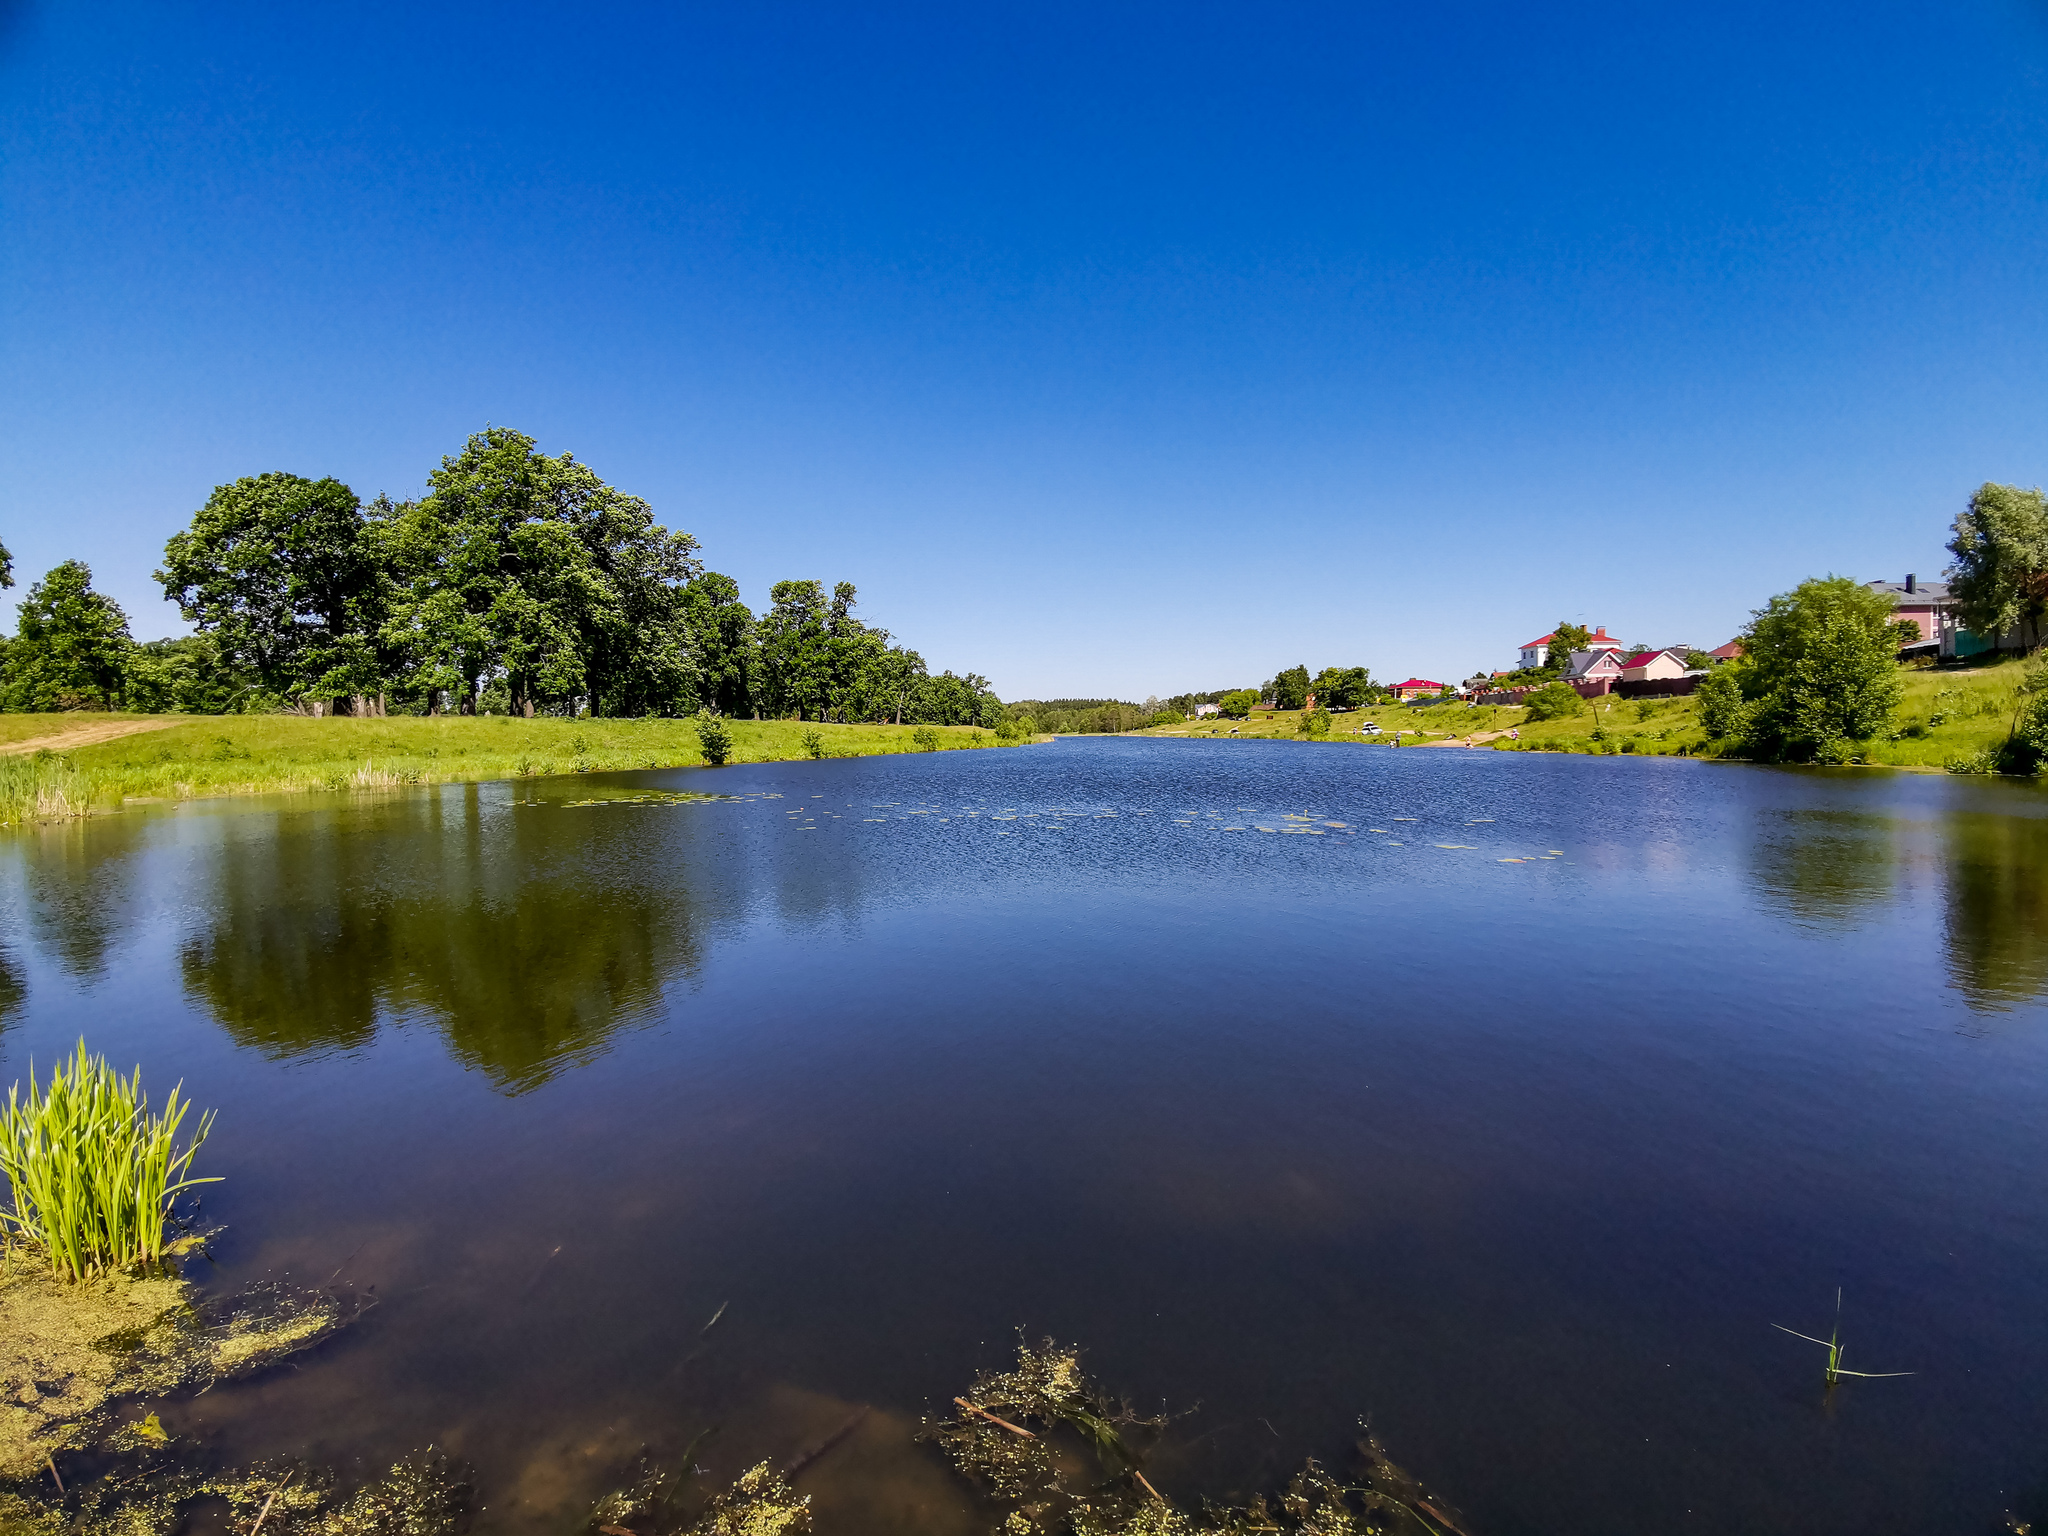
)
(1507, 1099)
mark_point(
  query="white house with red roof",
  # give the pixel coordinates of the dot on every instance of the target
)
(1536, 653)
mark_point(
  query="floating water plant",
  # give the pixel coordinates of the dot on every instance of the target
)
(92, 1172)
(1833, 1372)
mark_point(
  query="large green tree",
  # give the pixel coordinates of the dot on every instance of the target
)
(282, 573)
(967, 700)
(1819, 669)
(1565, 639)
(1289, 690)
(1343, 687)
(71, 646)
(184, 676)
(533, 567)
(718, 639)
(6, 568)
(2000, 576)
(796, 655)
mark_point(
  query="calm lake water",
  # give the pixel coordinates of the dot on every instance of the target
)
(1520, 1161)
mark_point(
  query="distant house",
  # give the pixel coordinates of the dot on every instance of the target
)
(1652, 666)
(1602, 666)
(1416, 688)
(1931, 607)
(1207, 709)
(1926, 603)
(1728, 652)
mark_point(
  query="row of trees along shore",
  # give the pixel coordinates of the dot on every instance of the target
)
(518, 584)
(1333, 688)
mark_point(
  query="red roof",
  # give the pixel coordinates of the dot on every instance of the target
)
(1419, 682)
(1727, 652)
(1642, 658)
(1539, 640)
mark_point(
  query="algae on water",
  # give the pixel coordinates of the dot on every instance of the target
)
(69, 1352)
(424, 1495)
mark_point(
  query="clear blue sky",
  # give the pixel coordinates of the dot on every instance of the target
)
(1109, 349)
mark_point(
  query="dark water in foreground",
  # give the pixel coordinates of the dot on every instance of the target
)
(1520, 1160)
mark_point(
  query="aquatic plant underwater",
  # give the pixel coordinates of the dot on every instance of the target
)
(92, 1173)
(1006, 1439)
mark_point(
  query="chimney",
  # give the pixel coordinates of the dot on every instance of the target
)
(1912, 586)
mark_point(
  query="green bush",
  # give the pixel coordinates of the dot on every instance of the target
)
(1236, 706)
(926, 738)
(1314, 723)
(1169, 717)
(1554, 701)
(814, 744)
(1819, 666)
(1719, 697)
(715, 736)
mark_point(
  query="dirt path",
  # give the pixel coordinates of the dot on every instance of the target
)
(88, 735)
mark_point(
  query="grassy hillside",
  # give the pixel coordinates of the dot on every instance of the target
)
(256, 754)
(1948, 715)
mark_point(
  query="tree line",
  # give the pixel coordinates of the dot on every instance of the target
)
(518, 584)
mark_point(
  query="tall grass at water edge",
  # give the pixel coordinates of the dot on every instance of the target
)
(92, 1172)
(46, 786)
(265, 754)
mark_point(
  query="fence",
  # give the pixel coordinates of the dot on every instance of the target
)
(1585, 688)
(1657, 687)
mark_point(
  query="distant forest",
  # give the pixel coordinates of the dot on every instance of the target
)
(1332, 688)
(518, 584)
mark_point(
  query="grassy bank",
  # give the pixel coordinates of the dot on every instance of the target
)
(1947, 715)
(261, 754)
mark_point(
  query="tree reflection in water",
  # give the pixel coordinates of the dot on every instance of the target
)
(1834, 869)
(1824, 868)
(13, 986)
(510, 930)
(1997, 907)
(78, 884)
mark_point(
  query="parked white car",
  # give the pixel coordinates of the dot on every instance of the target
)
(1370, 728)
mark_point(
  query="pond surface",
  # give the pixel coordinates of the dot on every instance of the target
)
(892, 1058)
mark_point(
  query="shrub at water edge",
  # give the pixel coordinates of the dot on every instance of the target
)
(716, 737)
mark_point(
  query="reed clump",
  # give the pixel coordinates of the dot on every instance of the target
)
(47, 787)
(92, 1172)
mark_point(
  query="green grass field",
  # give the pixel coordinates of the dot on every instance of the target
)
(1948, 714)
(258, 754)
